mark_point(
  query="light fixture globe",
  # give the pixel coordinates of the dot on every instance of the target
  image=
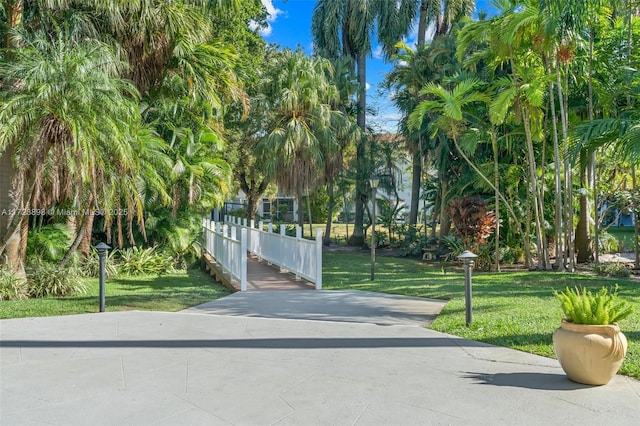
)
(374, 180)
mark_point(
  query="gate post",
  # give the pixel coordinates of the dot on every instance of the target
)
(318, 259)
(243, 259)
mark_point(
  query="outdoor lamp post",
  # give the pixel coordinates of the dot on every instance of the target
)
(468, 258)
(102, 254)
(373, 181)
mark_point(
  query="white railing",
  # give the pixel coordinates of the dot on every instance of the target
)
(297, 255)
(229, 251)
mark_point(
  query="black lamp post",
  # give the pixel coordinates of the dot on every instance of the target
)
(102, 254)
(468, 259)
(373, 181)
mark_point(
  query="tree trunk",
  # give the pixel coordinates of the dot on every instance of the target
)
(80, 235)
(559, 247)
(300, 211)
(10, 215)
(13, 14)
(527, 237)
(10, 220)
(357, 238)
(310, 218)
(533, 185)
(326, 240)
(496, 182)
(636, 225)
(445, 221)
(592, 165)
(582, 241)
(415, 184)
(568, 192)
(422, 22)
(85, 244)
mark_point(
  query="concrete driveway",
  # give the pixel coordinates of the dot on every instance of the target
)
(189, 368)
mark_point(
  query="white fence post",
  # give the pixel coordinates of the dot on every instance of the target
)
(243, 259)
(283, 234)
(318, 259)
(253, 223)
(297, 258)
(225, 247)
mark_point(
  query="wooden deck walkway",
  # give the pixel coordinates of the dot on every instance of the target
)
(260, 277)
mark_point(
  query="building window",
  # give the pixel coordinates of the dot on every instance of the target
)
(266, 208)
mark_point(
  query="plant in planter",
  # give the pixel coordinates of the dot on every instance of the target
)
(589, 344)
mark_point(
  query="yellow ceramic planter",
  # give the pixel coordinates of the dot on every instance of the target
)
(589, 354)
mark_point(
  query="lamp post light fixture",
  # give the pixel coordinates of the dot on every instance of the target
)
(102, 249)
(374, 180)
(468, 258)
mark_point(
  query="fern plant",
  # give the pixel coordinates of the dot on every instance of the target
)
(602, 308)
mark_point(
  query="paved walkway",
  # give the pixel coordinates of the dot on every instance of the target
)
(198, 367)
(340, 306)
(262, 276)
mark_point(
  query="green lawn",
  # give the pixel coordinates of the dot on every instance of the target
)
(153, 293)
(515, 310)
(625, 235)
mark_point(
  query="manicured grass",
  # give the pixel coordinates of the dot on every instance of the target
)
(515, 310)
(625, 235)
(151, 293)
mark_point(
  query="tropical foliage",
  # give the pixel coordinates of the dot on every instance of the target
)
(126, 122)
(601, 308)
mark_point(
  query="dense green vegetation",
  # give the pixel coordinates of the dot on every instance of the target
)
(128, 121)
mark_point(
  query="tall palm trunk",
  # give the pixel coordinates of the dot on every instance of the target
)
(13, 13)
(533, 189)
(636, 224)
(10, 216)
(300, 202)
(559, 247)
(496, 183)
(416, 169)
(416, 177)
(587, 164)
(445, 221)
(85, 243)
(357, 238)
(326, 239)
(568, 178)
(9, 195)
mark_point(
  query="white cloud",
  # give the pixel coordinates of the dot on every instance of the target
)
(367, 86)
(377, 52)
(273, 13)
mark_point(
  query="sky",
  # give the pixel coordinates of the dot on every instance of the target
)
(290, 26)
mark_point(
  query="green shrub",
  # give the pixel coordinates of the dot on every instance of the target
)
(143, 261)
(608, 243)
(616, 269)
(90, 267)
(47, 279)
(12, 287)
(49, 242)
(602, 308)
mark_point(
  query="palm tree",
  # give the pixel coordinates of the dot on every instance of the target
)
(301, 136)
(70, 97)
(167, 45)
(346, 28)
(447, 107)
